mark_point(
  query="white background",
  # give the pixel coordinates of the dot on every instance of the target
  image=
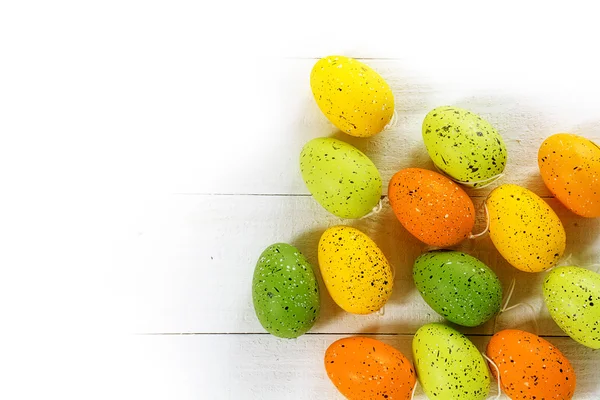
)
(138, 140)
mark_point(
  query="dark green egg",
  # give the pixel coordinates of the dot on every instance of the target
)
(285, 291)
(458, 286)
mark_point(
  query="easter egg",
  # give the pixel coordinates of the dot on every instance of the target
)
(340, 177)
(362, 368)
(572, 295)
(464, 145)
(448, 365)
(431, 207)
(355, 271)
(285, 292)
(570, 167)
(354, 97)
(524, 229)
(530, 367)
(457, 286)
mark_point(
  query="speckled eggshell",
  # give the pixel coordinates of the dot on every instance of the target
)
(355, 271)
(457, 286)
(340, 177)
(285, 292)
(572, 295)
(570, 167)
(362, 368)
(448, 365)
(354, 97)
(431, 207)
(524, 229)
(464, 145)
(530, 367)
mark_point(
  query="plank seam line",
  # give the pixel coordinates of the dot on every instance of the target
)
(292, 195)
(312, 334)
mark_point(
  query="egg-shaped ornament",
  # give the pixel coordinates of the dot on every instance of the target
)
(431, 207)
(340, 177)
(285, 291)
(458, 286)
(354, 97)
(524, 229)
(530, 367)
(448, 365)
(355, 271)
(572, 296)
(570, 167)
(363, 368)
(464, 146)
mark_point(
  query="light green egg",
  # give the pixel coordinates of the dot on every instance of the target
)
(449, 366)
(340, 177)
(285, 291)
(572, 295)
(463, 145)
(458, 286)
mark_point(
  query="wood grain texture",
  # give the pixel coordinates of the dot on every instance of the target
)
(263, 367)
(190, 261)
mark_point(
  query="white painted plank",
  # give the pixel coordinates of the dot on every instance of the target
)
(268, 132)
(264, 367)
(187, 265)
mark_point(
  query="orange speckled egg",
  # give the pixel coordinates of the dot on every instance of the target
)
(362, 368)
(355, 271)
(530, 367)
(431, 207)
(570, 167)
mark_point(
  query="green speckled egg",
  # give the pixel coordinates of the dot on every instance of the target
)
(457, 286)
(464, 145)
(448, 365)
(285, 292)
(572, 295)
(340, 177)
(524, 229)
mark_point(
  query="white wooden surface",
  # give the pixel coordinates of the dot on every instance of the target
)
(152, 154)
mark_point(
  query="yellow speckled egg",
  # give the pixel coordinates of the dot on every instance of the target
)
(352, 95)
(570, 167)
(524, 229)
(355, 271)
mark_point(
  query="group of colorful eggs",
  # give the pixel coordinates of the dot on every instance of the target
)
(435, 209)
